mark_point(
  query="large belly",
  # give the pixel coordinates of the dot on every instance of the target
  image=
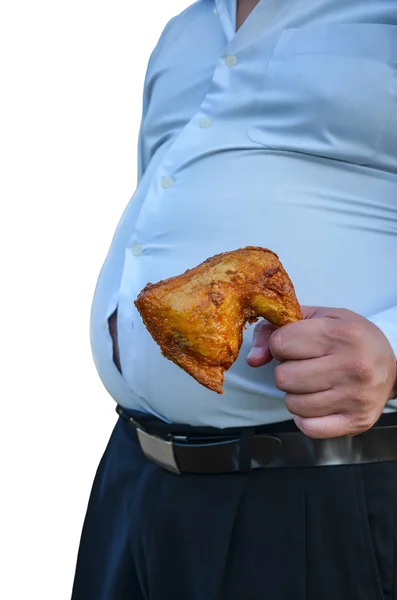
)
(334, 227)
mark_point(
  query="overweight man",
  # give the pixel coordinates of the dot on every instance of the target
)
(270, 124)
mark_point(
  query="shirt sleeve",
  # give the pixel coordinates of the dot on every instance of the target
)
(145, 103)
(387, 323)
(169, 33)
(142, 159)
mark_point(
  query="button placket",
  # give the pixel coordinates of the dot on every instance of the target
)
(174, 155)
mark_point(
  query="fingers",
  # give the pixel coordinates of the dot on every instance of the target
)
(260, 354)
(312, 337)
(311, 312)
(319, 312)
(327, 427)
(330, 426)
(305, 376)
(326, 415)
(301, 340)
(319, 404)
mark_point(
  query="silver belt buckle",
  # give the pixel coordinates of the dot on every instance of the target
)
(158, 450)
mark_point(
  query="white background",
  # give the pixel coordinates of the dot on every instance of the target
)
(71, 76)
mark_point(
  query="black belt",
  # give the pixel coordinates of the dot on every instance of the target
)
(184, 449)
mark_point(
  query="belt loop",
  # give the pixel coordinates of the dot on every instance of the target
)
(245, 450)
(120, 412)
(127, 417)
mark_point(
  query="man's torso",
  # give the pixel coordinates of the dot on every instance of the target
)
(280, 135)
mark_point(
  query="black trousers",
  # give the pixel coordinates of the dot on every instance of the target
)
(325, 533)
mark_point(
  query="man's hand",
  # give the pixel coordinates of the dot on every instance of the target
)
(337, 368)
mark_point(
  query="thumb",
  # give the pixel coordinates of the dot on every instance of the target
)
(260, 354)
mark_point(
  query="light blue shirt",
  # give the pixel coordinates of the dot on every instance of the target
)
(281, 135)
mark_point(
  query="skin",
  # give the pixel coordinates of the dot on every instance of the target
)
(244, 9)
(336, 368)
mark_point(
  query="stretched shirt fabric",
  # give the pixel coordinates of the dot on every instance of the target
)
(283, 135)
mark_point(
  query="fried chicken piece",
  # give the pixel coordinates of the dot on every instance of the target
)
(198, 318)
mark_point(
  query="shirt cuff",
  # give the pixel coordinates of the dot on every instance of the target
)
(387, 323)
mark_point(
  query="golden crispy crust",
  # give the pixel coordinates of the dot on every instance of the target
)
(198, 318)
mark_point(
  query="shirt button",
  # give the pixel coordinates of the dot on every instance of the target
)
(167, 182)
(231, 61)
(205, 123)
(137, 249)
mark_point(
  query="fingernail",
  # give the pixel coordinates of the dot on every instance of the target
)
(255, 352)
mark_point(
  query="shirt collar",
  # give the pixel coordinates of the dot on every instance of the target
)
(227, 15)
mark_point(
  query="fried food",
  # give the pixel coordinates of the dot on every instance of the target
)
(198, 318)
